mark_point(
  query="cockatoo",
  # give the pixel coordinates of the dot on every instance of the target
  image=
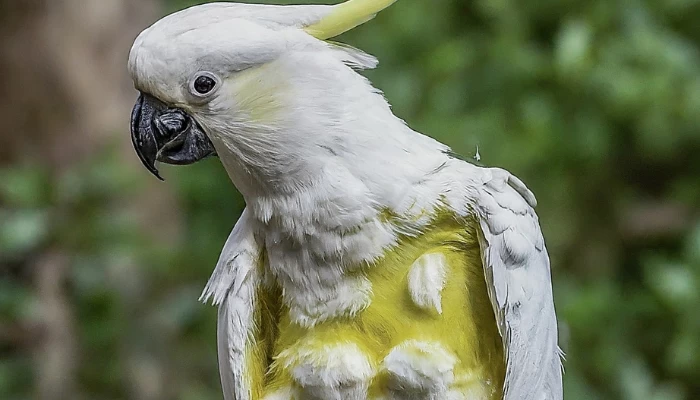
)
(370, 262)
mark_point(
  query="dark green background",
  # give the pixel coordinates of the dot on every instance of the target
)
(595, 104)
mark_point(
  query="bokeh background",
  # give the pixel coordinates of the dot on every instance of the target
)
(594, 103)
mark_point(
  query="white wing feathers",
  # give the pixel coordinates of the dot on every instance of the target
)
(516, 266)
(233, 287)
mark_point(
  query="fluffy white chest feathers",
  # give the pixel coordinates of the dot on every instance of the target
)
(317, 239)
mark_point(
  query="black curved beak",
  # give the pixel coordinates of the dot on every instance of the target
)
(165, 134)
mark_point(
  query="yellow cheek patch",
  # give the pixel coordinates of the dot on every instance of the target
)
(258, 93)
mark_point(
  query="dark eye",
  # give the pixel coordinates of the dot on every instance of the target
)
(204, 84)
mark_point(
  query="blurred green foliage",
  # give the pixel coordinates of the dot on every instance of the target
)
(594, 103)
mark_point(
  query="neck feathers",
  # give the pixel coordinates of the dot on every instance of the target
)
(307, 129)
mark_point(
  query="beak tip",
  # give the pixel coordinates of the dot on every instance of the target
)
(152, 169)
(142, 136)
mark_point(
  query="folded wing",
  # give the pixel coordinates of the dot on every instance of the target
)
(517, 271)
(244, 320)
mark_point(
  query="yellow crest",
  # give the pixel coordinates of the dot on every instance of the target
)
(346, 16)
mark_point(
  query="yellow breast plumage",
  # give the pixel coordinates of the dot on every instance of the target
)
(450, 347)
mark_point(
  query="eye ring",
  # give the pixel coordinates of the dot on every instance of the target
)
(204, 84)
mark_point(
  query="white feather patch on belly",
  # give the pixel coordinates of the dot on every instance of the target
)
(347, 298)
(426, 279)
(341, 371)
(419, 370)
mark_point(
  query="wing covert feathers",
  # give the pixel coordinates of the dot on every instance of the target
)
(517, 271)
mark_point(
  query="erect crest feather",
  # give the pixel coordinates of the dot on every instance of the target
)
(346, 16)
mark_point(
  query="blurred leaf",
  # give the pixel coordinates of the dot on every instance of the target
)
(674, 283)
(22, 230)
(25, 186)
(15, 301)
(693, 248)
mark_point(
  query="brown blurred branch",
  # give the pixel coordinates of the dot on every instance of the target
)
(654, 220)
(66, 91)
(57, 349)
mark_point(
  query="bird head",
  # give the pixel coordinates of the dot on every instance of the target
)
(257, 85)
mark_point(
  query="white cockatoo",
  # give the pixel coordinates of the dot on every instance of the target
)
(370, 262)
